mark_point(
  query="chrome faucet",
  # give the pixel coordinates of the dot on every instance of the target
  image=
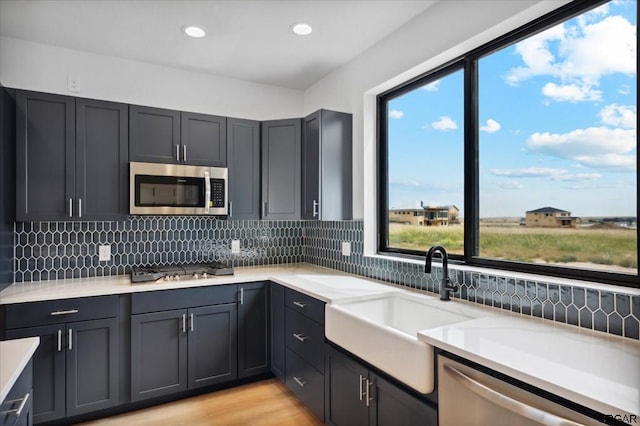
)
(445, 286)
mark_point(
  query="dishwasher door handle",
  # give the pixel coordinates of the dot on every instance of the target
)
(506, 402)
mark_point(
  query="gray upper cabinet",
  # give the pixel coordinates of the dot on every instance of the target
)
(243, 160)
(71, 158)
(154, 135)
(326, 166)
(281, 169)
(173, 137)
(204, 140)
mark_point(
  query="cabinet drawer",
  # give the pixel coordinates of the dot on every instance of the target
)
(60, 311)
(306, 338)
(166, 300)
(306, 305)
(306, 383)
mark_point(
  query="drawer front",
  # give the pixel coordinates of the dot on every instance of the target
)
(60, 311)
(306, 338)
(166, 300)
(306, 305)
(306, 383)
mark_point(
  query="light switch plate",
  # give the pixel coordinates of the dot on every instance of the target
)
(235, 246)
(104, 253)
(346, 248)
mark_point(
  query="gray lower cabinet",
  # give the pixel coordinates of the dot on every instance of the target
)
(71, 158)
(76, 367)
(243, 161)
(253, 329)
(17, 407)
(355, 395)
(277, 331)
(281, 168)
(327, 166)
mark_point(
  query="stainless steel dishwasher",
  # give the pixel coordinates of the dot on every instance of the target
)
(469, 397)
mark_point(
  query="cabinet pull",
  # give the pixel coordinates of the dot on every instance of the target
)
(67, 312)
(230, 208)
(70, 339)
(184, 323)
(184, 153)
(70, 207)
(300, 336)
(315, 208)
(264, 209)
(79, 207)
(178, 153)
(59, 340)
(300, 380)
(242, 296)
(300, 304)
(367, 397)
(16, 411)
(191, 322)
(361, 393)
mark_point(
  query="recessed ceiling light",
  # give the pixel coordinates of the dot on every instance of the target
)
(193, 31)
(301, 29)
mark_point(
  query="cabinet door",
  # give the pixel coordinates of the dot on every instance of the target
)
(281, 169)
(311, 167)
(45, 157)
(253, 329)
(204, 140)
(212, 345)
(336, 198)
(158, 354)
(154, 135)
(392, 406)
(92, 365)
(48, 370)
(102, 154)
(243, 161)
(345, 390)
(277, 331)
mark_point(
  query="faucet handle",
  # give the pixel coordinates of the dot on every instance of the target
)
(453, 287)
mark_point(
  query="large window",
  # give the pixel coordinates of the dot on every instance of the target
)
(523, 153)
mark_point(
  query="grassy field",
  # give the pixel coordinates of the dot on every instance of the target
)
(601, 248)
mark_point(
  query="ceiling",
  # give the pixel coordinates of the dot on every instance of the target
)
(246, 39)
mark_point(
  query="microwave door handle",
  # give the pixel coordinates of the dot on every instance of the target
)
(207, 192)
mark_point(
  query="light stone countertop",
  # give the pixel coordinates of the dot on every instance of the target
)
(594, 369)
(14, 356)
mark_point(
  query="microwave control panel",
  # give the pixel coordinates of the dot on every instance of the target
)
(217, 193)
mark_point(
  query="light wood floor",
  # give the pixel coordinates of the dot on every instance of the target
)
(265, 403)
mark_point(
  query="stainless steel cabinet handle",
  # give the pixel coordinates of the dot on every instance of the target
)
(184, 153)
(184, 323)
(230, 208)
(361, 393)
(207, 192)
(300, 336)
(300, 381)
(513, 405)
(67, 312)
(70, 339)
(16, 411)
(242, 296)
(178, 153)
(366, 396)
(59, 340)
(191, 323)
(70, 207)
(79, 207)
(300, 304)
(315, 208)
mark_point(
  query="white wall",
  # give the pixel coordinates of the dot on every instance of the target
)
(443, 32)
(45, 68)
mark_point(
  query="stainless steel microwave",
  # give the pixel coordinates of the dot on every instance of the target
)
(166, 189)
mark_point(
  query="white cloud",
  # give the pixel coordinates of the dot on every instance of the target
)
(624, 89)
(558, 175)
(593, 147)
(571, 92)
(395, 114)
(432, 87)
(511, 184)
(492, 126)
(619, 116)
(445, 123)
(578, 177)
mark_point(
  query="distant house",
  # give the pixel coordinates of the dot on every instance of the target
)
(550, 217)
(426, 216)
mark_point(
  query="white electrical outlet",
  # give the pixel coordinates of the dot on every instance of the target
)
(104, 253)
(235, 246)
(73, 84)
(346, 248)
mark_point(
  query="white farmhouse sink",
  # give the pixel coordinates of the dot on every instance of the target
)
(383, 330)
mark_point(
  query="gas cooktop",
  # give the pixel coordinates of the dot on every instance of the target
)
(142, 274)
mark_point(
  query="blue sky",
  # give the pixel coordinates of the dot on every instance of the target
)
(558, 116)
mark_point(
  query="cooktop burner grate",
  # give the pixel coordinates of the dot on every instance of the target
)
(141, 274)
